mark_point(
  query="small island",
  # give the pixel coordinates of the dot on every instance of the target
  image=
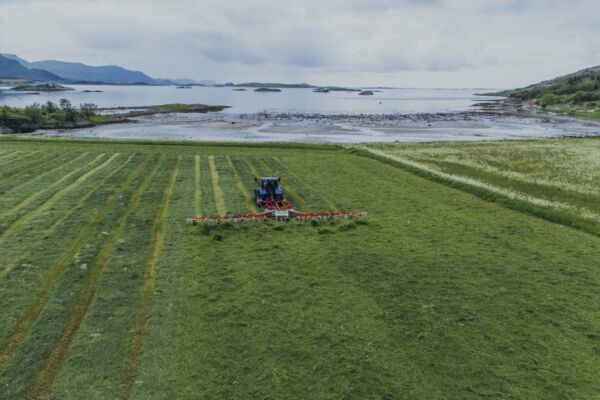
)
(366, 93)
(265, 89)
(41, 87)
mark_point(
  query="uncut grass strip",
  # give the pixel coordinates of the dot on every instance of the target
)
(242, 183)
(26, 322)
(548, 210)
(12, 160)
(208, 198)
(45, 376)
(47, 234)
(296, 198)
(23, 169)
(40, 176)
(197, 185)
(157, 242)
(55, 198)
(234, 198)
(219, 197)
(330, 203)
(85, 198)
(33, 197)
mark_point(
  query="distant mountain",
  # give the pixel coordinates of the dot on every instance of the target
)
(85, 73)
(14, 69)
(24, 63)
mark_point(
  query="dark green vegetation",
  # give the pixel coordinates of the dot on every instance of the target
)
(41, 87)
(106, 293)
(49, 116)
(576, 94)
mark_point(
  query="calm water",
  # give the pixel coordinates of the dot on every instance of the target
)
(388, 101)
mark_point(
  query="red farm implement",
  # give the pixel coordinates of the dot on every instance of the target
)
(270, 198)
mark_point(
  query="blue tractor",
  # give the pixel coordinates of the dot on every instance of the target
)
(269, 194)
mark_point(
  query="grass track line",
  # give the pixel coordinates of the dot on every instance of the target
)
(3, 156)
(217, 191)
(21, 170)
(55, 197)
(58, 354)
(301, 200)
(70, 211)
(197, 185)
(15, 154)
(157, 242)
(18, 158)
(85, 198)
(37, 177)
(330, 203)
(9, 267)
(37, 194)
(241, 187)
(24, 325)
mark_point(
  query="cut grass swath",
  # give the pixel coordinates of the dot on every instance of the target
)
(197, 185)
(38, 177)
(24, 325)
(241, 187)
(45, 377)
(217, 191)
(156, 245)
(55, 197)
(33, 197)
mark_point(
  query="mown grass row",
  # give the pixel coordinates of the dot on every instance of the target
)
(83, 263)
(124, 300)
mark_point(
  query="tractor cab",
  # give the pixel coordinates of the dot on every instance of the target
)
(269, 194)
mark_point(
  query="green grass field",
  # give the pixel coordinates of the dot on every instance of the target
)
(106, 293)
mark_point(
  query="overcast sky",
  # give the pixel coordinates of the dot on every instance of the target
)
(408, 43)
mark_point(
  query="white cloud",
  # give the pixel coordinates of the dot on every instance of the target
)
(393, 42)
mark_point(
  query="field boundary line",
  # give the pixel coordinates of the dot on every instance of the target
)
(46, 375)
(197, 185)
(241, 187)
(37, 177)
(330, 203)
(156, 246)
(34, 196)
(514, 200)
(55, 197)
(26, 322)
(217, 191)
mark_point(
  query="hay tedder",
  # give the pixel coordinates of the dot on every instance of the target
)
(269, 197)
